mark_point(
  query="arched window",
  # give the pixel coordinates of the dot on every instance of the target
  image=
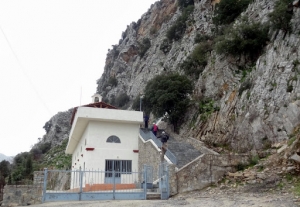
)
(113, 139)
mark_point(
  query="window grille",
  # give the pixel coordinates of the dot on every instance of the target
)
(113, 139)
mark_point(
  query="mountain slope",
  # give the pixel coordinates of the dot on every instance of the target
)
(4, 157)
(258, 102)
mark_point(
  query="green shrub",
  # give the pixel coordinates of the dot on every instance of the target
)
(44, 147)
(266, 143)
(184, 3)
(296, 63)
(296, 188)
(246, 38)
(241, 167)
(291, 141)
(136, 103)
(206, 108)
(254, 160)
(227, 10)
(176, 31)
(289, 177)
(112, 81)
(197, 60)
(202, 38)
(122, 100)
(281, 15)
(144, 46)
(153, 30)
(165, 46)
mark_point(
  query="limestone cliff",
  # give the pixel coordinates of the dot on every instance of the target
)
(58, 128)
(255, 109)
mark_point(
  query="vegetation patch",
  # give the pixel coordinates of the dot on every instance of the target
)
(165, 46)
(253, 161)
(122, 100)
(196, 62)
(112, 82)
(228, 10)
(57, 158)
(282, 15)
(266, 143)
(206, 108)
(144, 46)
(296, 188)
(185, 3)
(202, 38)
(167, 95)
(176, 31)
(244, 39)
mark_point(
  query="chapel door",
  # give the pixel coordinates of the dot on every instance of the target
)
(112, 171)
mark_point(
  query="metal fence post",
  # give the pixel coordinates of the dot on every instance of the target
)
(45, 184)
(80, 183)
(114, 184)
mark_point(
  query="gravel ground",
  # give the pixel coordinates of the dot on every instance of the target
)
(196, 198)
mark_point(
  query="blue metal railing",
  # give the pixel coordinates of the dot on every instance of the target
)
(149, 135)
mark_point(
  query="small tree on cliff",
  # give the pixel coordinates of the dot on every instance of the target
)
(168, 94)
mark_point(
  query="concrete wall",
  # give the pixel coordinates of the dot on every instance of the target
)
(149, 154)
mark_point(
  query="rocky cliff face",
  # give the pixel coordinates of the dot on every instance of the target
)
(256, 109)
(57, 128)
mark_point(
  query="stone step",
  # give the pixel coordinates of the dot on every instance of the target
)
(184, 152)
(153, 196)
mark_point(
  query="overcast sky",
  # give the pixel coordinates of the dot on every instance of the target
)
(51, 54)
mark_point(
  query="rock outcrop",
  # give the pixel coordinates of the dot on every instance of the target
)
(256, 109)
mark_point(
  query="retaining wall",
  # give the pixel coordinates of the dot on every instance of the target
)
(202, 172)
(206, 170)
(24, 195)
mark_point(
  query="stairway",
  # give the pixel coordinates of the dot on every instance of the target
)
(184, 152)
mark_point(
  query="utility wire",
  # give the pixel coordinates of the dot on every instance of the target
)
(24, 72)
